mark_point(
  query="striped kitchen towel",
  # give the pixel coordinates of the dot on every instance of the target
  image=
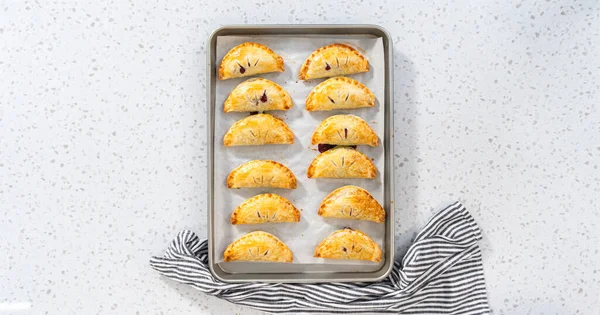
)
(442, 273)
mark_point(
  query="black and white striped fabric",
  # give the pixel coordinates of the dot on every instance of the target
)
(442, 273)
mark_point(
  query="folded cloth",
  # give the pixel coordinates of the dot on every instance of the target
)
(441, 273)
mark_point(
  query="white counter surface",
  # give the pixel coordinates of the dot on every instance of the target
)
(103, 147)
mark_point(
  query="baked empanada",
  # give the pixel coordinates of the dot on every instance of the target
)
(258, 129)
(258, 246)
(257, 95)
(261, 173)
(344, 130)
(248, 59)
(265, 208)
(348, 244)
(339, 93)
(341, 162)
(352, 202)
(332, 60)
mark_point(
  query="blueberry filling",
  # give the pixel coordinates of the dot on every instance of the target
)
(242, 69)
(322, 147)
(263, 98)
(327, 67)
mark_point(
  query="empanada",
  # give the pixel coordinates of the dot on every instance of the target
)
(344, 130)
(352, 202)
(261, 173)
(265, 208)
(341, 162)
(258, 129)
(257, 95)
(348, 244)
(339, 93)
(332, 60)
(258, 246)
(248, 59)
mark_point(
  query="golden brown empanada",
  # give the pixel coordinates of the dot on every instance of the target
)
(257, 95)
(342, 162)
(339, 93)
(258, 246)
(348, 244)
(258, 129)
(265, 208)
(249, 59)
(351, 202)
(261, 173)
(332, 60)
(344, 130)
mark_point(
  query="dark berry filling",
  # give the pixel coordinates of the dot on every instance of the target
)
(322, 147)
(327, 67)
(263, 98)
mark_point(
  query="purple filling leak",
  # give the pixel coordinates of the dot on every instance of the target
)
(322, 147)
(263, 98)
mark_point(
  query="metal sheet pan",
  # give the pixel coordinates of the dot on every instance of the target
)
(305, 273)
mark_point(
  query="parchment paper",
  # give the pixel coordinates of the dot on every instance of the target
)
(302, 237)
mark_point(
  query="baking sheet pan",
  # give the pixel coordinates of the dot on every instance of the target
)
(306, 268)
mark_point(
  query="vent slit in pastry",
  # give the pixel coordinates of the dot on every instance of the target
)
(344, 130)
(257, 95)
(325, 62)
(351, 202)
(329, 165)
(348, 244)
(261, 173)
(257, 59)
(265, 208)
(258, 129)
(339, 93)
(258, 246)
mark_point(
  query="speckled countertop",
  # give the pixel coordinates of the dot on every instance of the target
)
(103, 146)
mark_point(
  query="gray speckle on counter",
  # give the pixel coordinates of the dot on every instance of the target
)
(103, 147)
